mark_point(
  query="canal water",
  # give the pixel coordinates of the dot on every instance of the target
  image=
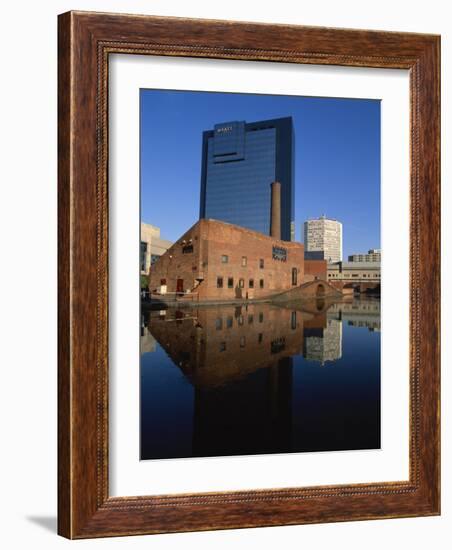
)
(226, 380)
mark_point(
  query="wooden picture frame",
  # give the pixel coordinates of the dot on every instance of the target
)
(85, 42)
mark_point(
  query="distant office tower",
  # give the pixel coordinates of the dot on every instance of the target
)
(323, 239)
(239, 163)
(373, 255)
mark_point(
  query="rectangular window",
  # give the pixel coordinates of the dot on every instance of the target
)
(230, 282)
(229, 321)
(242, 341)
(241, 283)
(261, 263)
(260, 337)
(224, 259)
(219, 323)
(293, 320)
(222, 346)
(187, 249)
(251, 283)
(261, 317)
(219, 282)
(250, 319)
(244, 261)
(294, 276)
(261, 283)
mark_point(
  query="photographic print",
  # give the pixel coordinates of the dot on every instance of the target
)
(231, 196)
(260, 270)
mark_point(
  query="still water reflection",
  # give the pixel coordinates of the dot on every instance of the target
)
(226, 380)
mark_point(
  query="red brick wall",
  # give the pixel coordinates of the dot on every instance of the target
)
(211, 240)
(174, 264)
(236, 243)
(315, 269)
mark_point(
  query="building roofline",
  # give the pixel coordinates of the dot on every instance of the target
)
(240, 228)
(256, 123)
(150, 225)
(320, 218)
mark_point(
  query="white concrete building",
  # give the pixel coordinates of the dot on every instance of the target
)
(151, 246)
(323, 239)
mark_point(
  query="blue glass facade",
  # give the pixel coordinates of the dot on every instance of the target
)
(239, 163)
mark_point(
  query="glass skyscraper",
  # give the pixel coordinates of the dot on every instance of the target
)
(239, 162)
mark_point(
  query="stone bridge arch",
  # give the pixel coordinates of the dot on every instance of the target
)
(318, 289)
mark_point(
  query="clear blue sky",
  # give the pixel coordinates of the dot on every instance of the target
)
(337, 157)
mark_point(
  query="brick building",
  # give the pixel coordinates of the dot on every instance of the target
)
(219, 261)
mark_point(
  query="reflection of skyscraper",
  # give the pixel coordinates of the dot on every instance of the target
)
(239, 162)
(323, 344)
(261, 416)
(323, 239)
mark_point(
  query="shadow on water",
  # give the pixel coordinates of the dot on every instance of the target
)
(234, 380)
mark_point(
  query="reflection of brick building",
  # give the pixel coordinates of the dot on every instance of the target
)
(219, 261)
(239, 362)
(215, 345)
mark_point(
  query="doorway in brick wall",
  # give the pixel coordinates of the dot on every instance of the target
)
(180, 286)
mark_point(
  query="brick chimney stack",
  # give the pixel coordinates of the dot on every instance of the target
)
(275, 214)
